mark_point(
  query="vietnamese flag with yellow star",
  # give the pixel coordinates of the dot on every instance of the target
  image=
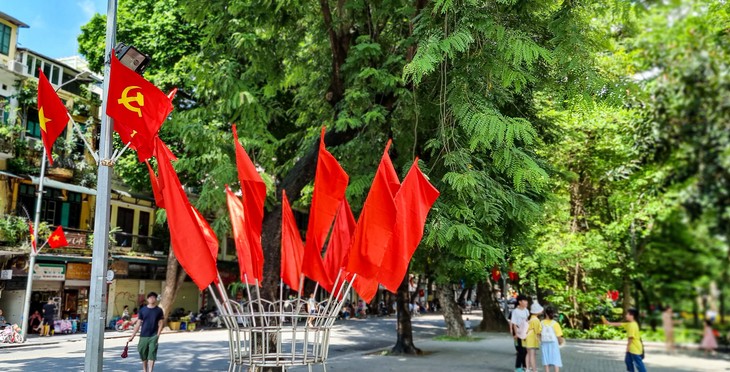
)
(57, 239)
(137, 107)
(52, 114)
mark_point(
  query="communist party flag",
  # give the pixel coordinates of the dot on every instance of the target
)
(52, 115)
(330, 182)
(412, 203)
(238, 222)
(32, 238)
(137, 107)
(366, 288)
(57, 239)
(292, 248)
(375, 224)
(335, 258)
(190, 240)
(253, 190)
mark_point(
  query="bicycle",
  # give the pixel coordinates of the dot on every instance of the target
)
(10, 336)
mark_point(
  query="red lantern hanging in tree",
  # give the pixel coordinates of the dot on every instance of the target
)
(513, 276)
(496, 275)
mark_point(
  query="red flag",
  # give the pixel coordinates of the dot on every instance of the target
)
(496, 274)
(365, 288)
(52, 114)
(155, 186)
(376, 222)
(339, 244)
(330, 182)
(57, 239)
(253, 190)
(412, 203)
(245, 256)
(292, 248)
(32, 238)
(189, 240)
(211, 239)
(137, 107)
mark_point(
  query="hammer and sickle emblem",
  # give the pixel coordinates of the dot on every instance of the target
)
(126, 100)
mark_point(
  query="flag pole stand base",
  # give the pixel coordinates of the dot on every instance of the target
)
(281, 333)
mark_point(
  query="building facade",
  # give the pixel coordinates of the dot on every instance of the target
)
(138, 253)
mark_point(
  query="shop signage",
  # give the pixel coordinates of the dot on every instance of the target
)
(76, 239)
(120, 267)
(44, 271)
(80, 271)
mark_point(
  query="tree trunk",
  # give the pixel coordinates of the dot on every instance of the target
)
(451, 311)
(627, 294)
(174, 278)
(404, 344)
(493, 318)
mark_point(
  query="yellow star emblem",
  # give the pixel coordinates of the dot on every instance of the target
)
(43, 120)
(56, 237)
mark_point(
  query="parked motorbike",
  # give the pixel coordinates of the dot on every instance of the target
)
(123, 325)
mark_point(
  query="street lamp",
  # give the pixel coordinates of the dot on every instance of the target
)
(132, 57)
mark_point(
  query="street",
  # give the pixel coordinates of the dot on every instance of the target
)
(353, 348)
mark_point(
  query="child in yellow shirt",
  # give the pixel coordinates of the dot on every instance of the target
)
(634, 348)
(534, 328)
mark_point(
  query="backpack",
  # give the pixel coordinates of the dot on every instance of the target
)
(548, 333)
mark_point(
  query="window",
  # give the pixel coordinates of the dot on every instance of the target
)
(4, 109)
(32, 124)
(125, 221)
(30, 64)
(5, 31)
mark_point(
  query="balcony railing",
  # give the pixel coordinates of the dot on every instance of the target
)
(139, 243)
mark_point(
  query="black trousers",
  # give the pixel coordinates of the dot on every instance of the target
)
(521, 354)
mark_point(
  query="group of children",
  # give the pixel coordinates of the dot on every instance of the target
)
(530, 334)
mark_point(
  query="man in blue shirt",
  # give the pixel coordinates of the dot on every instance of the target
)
(151, 320)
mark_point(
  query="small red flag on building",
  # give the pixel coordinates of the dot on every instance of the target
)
(330, 183)
(238, 222)
(52, 115)
(292, 248)
(57, 239)
(412, 203)
(376, 222)
(253, 190)
(32, 238)
(190, 240)
(338, 248)
(137, 107)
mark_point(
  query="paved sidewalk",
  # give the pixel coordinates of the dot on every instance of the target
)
(495, 352)
(36, 340)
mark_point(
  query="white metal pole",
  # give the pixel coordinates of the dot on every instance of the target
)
(33, 253)
(94, 359)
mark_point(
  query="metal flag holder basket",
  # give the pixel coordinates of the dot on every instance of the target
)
(283, 333)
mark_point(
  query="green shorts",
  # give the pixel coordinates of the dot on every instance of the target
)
(147, 347)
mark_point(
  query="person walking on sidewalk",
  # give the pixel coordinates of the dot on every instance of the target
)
(151, 320)
(709, 341)
(532, 342)
(49, 312)
(551, 338)
(518, 328)
(635, 348)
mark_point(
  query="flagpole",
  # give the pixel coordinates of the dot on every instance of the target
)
(33, 252)
(94, 358)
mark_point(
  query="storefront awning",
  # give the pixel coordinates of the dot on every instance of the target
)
(7, 174)
(63, 186)
(63, 258)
